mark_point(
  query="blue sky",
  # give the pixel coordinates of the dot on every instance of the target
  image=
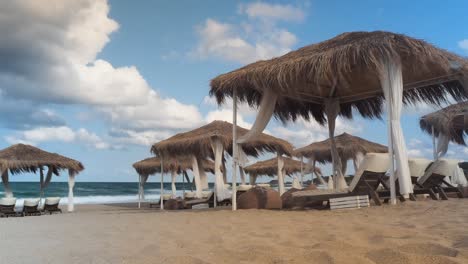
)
(100, 81)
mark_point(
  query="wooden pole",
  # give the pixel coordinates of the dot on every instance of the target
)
(434, 144)
(162, 184)
(234, 150)
(139, 191)
(302, 171)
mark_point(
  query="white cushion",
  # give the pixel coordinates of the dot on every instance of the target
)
(372, 162)
(206, 194)
(190, 194)
(31, 202)
(418, 166)
(442, 167)
(227, 186)
(264, 185)
(244, 187)
(52, 200)
(167, 197)
(7, 201)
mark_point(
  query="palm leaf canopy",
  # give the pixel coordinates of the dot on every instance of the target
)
(347, 68)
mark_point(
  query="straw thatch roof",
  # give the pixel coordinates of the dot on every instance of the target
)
(152, 165)
(348, 147)
(270, 167)
(198, 142)
(25, 158)
(449, 121)
(346, 67)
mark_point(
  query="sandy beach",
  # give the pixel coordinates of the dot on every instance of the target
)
(413, 232)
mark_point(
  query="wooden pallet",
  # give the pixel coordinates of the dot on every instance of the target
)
(349, 202)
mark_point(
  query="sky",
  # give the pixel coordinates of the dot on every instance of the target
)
(100, 81)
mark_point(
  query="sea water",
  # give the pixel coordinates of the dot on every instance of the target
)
(94, 192)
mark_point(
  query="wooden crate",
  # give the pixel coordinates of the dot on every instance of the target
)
(349, 202)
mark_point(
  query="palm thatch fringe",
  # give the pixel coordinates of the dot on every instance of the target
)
(347, 67)
(270, 167)
(449, 121)
(152, 165)
(25, 158)
(348, 147)
(198, 142)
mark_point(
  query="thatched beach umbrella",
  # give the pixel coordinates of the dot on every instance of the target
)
(349, 147)
(356, 70)
(270, 168)
(210, 141)
(447, 124)
(175, 166)
(25, 158)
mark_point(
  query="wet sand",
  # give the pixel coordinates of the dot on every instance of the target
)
(413, 232)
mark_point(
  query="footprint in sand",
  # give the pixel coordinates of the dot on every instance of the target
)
(429, 249)
(461, 243)
(388, 256)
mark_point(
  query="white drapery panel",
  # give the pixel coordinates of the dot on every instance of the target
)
(280, 174)
(391, 80)
(252, 178)
(224, 170)
(331, 184)
(202, 173)
(442, 145)
(222, 193)
(45, 183)
(265, 111)
(459, 177)
(296, 184)
(332, 108)
(357, 160)
(196, 177)
(173, 181)
(144, 179)
(311, 167)
(71, 185)
(344, 166)
(242, 175)
(6, 184)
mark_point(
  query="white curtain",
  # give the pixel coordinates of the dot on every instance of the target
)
(202, 173)
(6, 184)
(222, 193)
(331, 184)
(71, 185)
(252, 178)
(459, 177)
(332, 108)
(173, 181)
(196, 176)
(442, 145)
(344, 166)
(357, 161)
(265, 111)
(48, 178)
(280, 174)
(311, 167)
(391, 80)
(296, 184)
(242, 175)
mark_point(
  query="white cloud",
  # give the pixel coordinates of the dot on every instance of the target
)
(251, 40)
(226, 115)
(463, 44)
(58, 134)
(61, 68)
(272, 11)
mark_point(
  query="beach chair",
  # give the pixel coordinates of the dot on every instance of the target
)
(368, 178)
(30, 207)
(207, 198)
(434, 181)
(51, 205)
(7, 207)
(243, 188)
(157, 204)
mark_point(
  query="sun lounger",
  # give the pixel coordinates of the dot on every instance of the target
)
(157, 204)
(7, 207)
(51, 205)
(369, 176)
(434, 181)
(417, 168)
(30, 207)
(207, 198)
